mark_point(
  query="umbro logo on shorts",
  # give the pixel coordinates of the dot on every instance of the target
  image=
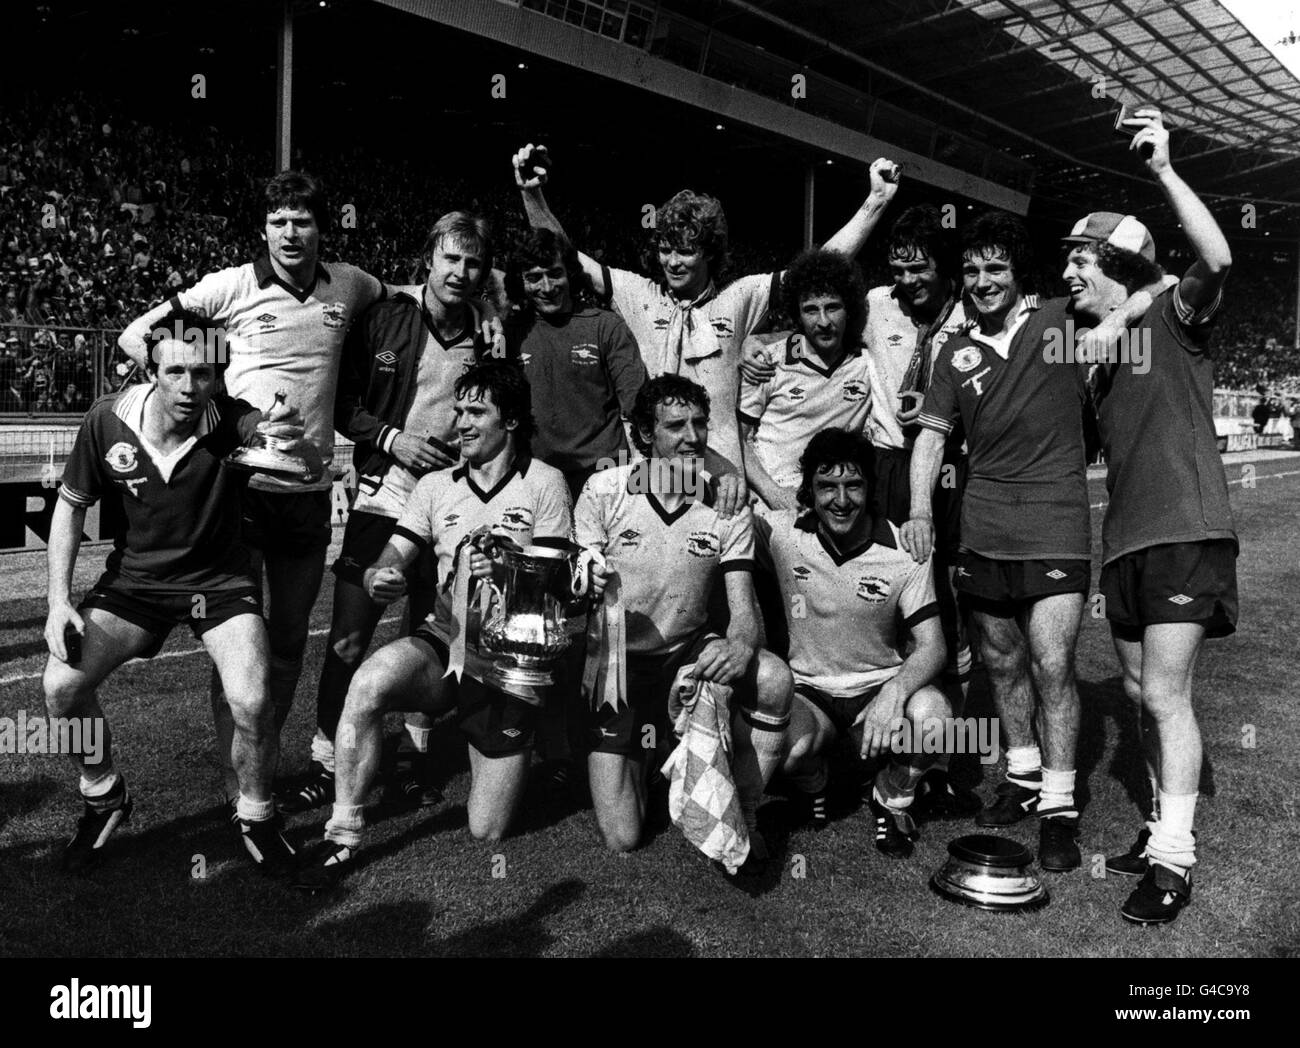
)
(249, 599)
(511, 733)
(1180, 599)
(386, 357)
(1056, 573)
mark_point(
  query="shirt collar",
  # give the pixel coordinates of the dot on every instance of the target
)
(130, 409)
(1028, 305)
(266, 275)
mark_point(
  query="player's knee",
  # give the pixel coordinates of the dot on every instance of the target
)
(928, 704)
(65, 689)
(368, 692)
(349, 649)
(1052, 670)
(774, 685)
(250, 704)
(1166, 699)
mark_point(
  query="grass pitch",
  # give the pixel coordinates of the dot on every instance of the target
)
(175, 884)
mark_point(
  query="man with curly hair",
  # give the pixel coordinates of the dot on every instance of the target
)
(1168, 543)
(686, 320)
(821, 378)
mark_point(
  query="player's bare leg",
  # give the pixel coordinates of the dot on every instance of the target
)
(807, 738)
(1053, 627)
(109, 641)
(1134, 862)
(238, 648)
(405, 673)
(352, 626)
(1169, 652)
(1006, 659)
(895, 784)
(757, 738)
(496, 788)
(618, 797)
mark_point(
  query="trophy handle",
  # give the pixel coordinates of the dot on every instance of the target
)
(581, 582)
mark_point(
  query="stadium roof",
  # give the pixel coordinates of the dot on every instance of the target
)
(1021, 74)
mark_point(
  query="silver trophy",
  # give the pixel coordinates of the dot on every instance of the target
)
(527, 624)
(270, 458)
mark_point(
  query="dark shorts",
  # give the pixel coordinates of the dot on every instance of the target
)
(648, 683)
(893, 495)
(1004, 587)
(364, 539)
(841, 712)
(494, 723)
(295, 522)
(159, 612)
(1180, 582)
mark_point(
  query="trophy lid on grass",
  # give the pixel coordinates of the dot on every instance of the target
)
(990, 873)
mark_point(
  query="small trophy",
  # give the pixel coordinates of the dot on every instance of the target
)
(270, 459)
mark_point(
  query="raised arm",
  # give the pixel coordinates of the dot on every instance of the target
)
(854, 233)
(1204, 279)
(134, 340)
(539, 212)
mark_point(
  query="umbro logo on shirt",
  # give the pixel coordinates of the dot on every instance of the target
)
(797, 392)
(1056, 573)
(386, 357)
(1180, 599)
(629, 538)
(265, 319)
(450, 519)
(800, 572)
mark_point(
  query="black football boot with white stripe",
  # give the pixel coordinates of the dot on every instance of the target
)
(99, 822)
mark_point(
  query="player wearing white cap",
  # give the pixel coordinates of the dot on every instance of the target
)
(1168, 543)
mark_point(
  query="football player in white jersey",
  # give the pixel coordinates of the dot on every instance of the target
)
(666, 548)
(686, 319)
(854, 599)
(501, 490)
(284, 318)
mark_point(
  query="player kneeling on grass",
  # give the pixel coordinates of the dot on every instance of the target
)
(666, 547)
(157, 450)
(499, 490)
(852, 595)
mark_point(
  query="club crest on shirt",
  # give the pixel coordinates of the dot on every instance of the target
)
(702, 544)
(722, 326)
(517, 518)
(873, 589)
(121, 457)
(855, 390)
(584, 355)
(967, 359)
(335, 314)
(941, 338)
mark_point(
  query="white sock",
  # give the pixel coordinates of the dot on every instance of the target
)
(419, 738)
(101, 785)
(346, 825)
(896, 785)
(768, 740)
(1172, 843)
(1058, 790)
(253, 811)
(901, 803)
(1023, 765)
(322, 751)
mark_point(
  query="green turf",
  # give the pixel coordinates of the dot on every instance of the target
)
(427, 889)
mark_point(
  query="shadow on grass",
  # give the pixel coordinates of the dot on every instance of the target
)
(653, 942)
(20, 798)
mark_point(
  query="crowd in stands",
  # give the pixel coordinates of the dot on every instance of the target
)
(102, 216)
